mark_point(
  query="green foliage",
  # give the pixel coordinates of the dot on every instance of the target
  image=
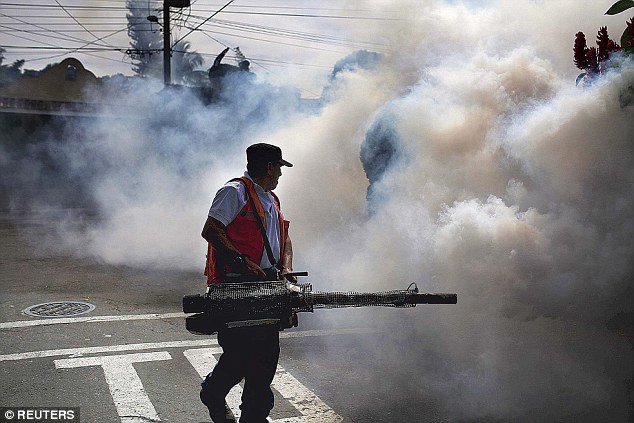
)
(620, 6)
(10, 73)
(627, 39)
(184, 62)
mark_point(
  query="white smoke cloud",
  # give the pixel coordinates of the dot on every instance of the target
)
(514, 190)
(509, 186)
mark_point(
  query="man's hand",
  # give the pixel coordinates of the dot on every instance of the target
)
(291, 279)
(254, 269)
(216, 233)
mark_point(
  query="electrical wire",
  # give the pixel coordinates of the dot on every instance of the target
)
(203, 22)
(291, 34)
(78, 23)
(206, 7)
(9, 31)
(70, 38)
(181, 20)
(244, 37)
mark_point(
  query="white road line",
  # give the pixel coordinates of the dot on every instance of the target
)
(126, 388)
(88, 319)
(78, 352)
(208, 341)
(203, 361)
(309, 405)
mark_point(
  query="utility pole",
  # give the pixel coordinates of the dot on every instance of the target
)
(167, 47)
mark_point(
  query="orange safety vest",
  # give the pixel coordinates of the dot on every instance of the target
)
(245, 234)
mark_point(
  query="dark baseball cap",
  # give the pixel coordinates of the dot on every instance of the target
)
(263, 152)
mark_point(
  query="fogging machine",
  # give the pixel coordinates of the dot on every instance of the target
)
(277, 302)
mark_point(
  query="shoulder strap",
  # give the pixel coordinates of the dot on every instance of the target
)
(267, 245)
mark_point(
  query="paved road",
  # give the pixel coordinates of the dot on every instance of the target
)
(131, 360)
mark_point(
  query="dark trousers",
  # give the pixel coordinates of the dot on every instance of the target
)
(250, 354)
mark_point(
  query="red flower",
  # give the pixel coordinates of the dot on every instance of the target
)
(593, 63)
(581, 51)
(612, 46)
(602, 41)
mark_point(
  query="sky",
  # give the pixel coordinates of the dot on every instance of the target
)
(463, 158)
(295, 41)
(288, 42)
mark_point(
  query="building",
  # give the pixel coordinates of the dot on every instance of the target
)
(65, 88)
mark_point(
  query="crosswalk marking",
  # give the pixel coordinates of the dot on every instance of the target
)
(203, 361)
(134, 406)
(129, 396)
(88, 319)
(309, 405)
(131, 400)
(210, 341)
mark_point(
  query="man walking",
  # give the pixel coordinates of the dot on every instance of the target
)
(247, 235)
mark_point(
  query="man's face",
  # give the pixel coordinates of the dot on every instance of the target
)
(275, 171)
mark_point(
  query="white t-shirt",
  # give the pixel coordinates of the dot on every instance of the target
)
(232, 197)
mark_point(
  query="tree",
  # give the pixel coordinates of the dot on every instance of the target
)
(146, 38)
(184, 62)
(9, 73)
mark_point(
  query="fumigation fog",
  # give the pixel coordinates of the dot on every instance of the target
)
(464, 159)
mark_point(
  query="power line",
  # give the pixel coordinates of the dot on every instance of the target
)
(245, 27)
(18, 6)
(237, 12)
(60, 24)
(43, 28)
(64, 26)
(78, 23)
(285, 33)
(44, 31)
(275, 42)
(54, 47)
(203, 22)
(64, 17)
(73, 40)
(92, 42)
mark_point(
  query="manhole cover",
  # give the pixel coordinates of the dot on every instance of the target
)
(59, 309)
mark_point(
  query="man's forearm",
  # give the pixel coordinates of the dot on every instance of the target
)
(216, 234)
(287, 260)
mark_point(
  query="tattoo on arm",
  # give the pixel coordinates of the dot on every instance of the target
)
(216, 234)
